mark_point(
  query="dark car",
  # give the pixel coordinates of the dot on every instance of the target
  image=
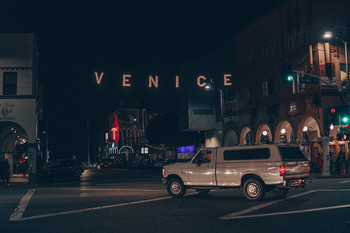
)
(63, 168)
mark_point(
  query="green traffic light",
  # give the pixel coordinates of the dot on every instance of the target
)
(289, 78)
(345, 119)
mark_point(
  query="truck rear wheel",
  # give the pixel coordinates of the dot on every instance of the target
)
(253, 189)
(176, 188)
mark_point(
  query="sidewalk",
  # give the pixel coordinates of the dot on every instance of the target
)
(18, 180)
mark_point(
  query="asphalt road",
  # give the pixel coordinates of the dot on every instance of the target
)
(122, 200)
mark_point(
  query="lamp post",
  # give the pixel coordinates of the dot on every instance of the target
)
(329, 35)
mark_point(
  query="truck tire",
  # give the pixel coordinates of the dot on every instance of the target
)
(279, 192)
(253, 189)
(176, 188)
(202, 191)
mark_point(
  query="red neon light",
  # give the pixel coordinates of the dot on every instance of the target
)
(115, 129)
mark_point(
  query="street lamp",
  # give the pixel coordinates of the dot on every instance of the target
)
(329, 35)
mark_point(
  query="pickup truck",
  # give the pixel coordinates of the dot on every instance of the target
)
(256, 169)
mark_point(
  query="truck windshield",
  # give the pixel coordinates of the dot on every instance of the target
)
(291, 153)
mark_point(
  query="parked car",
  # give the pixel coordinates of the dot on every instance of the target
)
(62, 168)
(105, 163)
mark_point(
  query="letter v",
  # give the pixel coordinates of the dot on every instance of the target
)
(98, 78)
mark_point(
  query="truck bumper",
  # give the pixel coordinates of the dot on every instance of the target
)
(300, 182)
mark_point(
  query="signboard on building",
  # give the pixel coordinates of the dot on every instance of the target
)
(309, 80)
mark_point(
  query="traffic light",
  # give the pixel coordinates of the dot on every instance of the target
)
(287, 72)
(345, 119)
(339, 115)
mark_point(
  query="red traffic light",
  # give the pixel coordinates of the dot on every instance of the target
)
(332, 110)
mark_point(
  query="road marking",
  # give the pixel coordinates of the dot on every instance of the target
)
(109, 189)
(92, 209)
(288, 212)
(18, 212)
(345, 181)
(255, 208)
(238, 215)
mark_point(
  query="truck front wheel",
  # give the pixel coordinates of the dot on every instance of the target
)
(176, 188)
(253, 189)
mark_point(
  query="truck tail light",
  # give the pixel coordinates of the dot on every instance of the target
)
(282, 170)
(163, 171)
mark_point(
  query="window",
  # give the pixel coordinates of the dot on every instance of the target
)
(291, 153)
(268, 88)
(270, 50)
(247, 154)
(203, 157)
(10, 83)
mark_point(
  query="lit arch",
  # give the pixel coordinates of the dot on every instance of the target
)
(260, 138)
(284, 132)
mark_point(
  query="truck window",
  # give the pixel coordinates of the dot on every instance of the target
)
(291, 153)
(247, 154)
(203, 156)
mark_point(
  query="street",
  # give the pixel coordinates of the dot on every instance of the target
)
(123, 200)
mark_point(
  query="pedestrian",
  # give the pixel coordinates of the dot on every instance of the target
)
(319, 162)
(7, 172)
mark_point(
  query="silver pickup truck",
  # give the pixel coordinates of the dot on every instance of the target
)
(256, 169)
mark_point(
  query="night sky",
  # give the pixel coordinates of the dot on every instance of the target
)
(77, 38)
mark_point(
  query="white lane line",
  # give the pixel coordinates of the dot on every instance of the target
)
(90, 209)
(345, 181)
(94, 208)
(289, 212)
(18, 212)
(108, 189)
(237, 215)
(255, 208)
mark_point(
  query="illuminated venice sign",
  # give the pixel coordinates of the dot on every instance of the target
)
(153, 81)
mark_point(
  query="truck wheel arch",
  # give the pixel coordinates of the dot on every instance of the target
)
(248, 176)
(174, 176)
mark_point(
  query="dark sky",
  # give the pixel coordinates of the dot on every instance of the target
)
(77, 38)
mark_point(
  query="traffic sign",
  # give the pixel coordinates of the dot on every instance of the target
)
(309, 80)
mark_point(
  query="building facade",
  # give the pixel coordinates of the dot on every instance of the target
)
(266, 108)
(20, 103)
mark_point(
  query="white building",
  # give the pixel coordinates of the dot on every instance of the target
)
(19, 97)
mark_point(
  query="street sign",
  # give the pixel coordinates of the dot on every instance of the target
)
(309, 80)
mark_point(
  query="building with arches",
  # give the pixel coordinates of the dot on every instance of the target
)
(20, 102)
(262, 106)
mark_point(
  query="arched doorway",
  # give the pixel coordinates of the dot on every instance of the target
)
(284, 132)
(246, 137)
(263, 134)
(309, 129)
(13, 145)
